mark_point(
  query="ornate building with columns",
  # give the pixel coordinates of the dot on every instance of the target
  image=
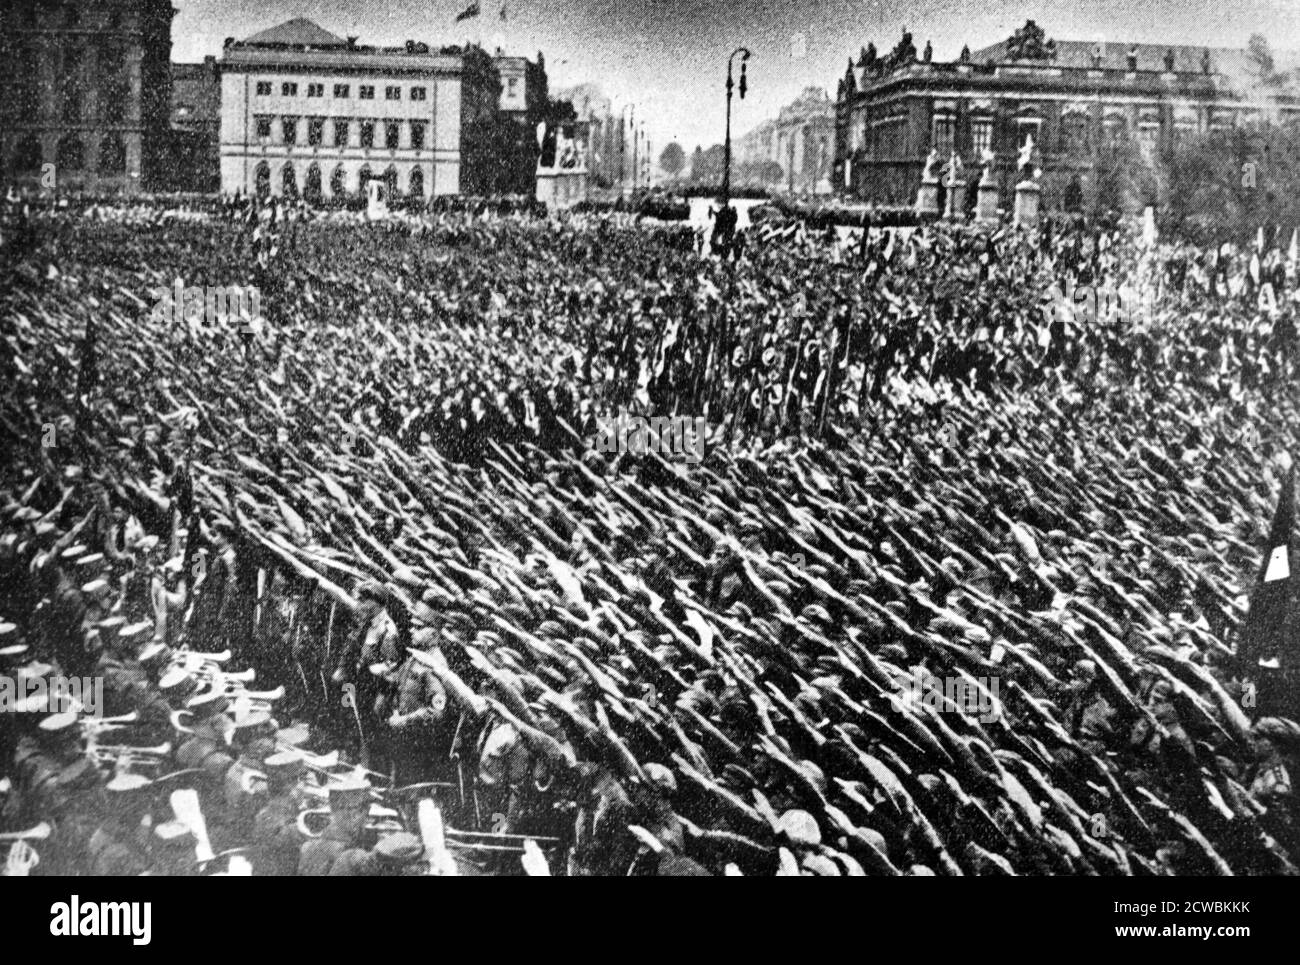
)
(1080, 100)
(306, 112)
(800, 141)
(86, 89)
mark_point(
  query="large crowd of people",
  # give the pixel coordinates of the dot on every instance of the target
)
(362, 551)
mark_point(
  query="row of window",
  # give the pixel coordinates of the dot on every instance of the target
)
(70, 155)
(342, 131)
(365, 92)
(338, 181)
(72, 17)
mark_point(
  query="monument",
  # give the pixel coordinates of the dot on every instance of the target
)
(955, 208)
(564, 183)
(1028, 192)
(986, 200)
(927, 197)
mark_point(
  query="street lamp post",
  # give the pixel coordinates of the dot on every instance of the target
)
(726, 149)
(622, 145)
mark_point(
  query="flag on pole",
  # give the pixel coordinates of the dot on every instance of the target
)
(468, 12)
(1268, 621)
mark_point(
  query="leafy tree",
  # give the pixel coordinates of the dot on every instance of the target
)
(672, 159)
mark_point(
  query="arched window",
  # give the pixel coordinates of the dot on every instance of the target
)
(416, 184)
(390, 183)
(27, 156)
(311, 190)
(70, 152)
(289, 181)
(338, 182)
(112, 155)
(262, 179)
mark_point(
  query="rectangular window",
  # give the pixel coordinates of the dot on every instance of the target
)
(418, 93)
(342, 90)
(315, 131)
(417, 134)
(263, 128)
(367, 92)
(289, 128)
(288, 90)
(340, 133)
(981, 137)
(1074, 134)
(512, 86)
(392, 134)
(315, 90)
(392, 93)
(263, 88)
(367, 133)
(941, 138)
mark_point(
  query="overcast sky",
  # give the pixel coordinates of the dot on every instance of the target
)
(669, 56)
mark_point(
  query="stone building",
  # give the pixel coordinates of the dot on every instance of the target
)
(195, 163)
(306, 112)
(800, 142)
(86, 89)
(1080, 100)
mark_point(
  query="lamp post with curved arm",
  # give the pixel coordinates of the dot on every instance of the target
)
(726, 149)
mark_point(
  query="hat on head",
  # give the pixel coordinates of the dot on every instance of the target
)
(247, 723)
(74, 553)
(207, 705)
(12, 654)
(349, 791)
(177, 684)
(61, 726)
(136, 632)
(95, 587)
(399, 849)
(156, 653)
(284, 766)
(127, 783)
(7, 632)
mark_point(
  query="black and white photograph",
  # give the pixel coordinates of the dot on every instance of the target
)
(618, 438)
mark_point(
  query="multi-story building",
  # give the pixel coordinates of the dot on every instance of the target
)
(523, 83)
(1081, 101)
(87, 90)
(800, 142)
(196, 126)
(306, 112)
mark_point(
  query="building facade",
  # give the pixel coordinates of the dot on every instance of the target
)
(1082, 102)
(793, 153)
(195, 163)
(304, 112)
(87, 90)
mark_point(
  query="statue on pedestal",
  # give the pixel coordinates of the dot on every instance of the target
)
(953, 170)
(931, 162)
(1025, 159)
(987, 160)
